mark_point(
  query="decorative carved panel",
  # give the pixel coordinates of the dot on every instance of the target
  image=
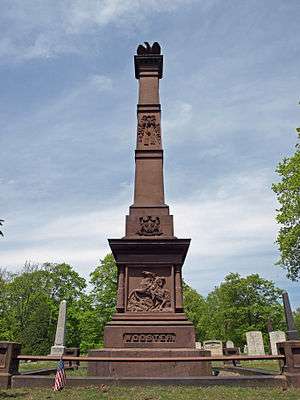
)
(149, 131)
(3, 352)
(149, 226)
(150, 295)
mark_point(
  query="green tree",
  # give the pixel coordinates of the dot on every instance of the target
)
(103, 295)
(90, 325)
(63, 283)
(27, 310)
(196, 310)
(297, 319)
(31, 301)
(4, 280)
(288, 216)
(242, 304)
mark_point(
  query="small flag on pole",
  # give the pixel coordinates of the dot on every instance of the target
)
(60, 377)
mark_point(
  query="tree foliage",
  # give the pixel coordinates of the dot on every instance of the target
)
(29, 303)
(242, 304)
(195, 307)
(288, 216)
(297, 319)
(102, 302)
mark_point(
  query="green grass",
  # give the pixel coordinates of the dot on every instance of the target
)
(269, 365)
(25, 367)
(30, 366)
(153, 393)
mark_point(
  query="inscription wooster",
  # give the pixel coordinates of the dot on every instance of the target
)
(149, 337)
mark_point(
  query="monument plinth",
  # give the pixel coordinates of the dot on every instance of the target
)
(150, 318)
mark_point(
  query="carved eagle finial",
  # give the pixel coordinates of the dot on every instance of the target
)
(147, 49)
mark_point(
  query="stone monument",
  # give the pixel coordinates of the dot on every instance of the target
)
(149, 320)
(292, 333)
(255, 344)
(276, 337)
(59, 342)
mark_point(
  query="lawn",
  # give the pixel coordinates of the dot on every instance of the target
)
(269, 365)
(153, 393)
(26, 367)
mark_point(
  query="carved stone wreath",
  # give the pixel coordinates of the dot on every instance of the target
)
(150, 295)
(149, 226)
(149, 131)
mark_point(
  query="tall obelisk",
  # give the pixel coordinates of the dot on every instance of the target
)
(149, 215)
(150, 321)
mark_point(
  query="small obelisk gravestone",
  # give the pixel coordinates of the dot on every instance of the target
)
(59, 343)
(292, 333)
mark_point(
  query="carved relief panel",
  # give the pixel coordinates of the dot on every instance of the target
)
(149, 290)
(149, 226)
(3, 353)
(148, 131)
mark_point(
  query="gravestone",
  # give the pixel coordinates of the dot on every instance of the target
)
(229, 344)
(149, 319)
(198, 345)
(214, 346)
(255, 344)
(292, 332)
(245, 349)
(276, 337)
(59, 343)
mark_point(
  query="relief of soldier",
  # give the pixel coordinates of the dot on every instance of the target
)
(150, 295)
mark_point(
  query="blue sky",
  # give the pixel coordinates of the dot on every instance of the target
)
(68, 98)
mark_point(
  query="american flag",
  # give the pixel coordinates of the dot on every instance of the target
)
(60, 377)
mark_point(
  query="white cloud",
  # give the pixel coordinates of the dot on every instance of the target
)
(234, 218)
(81, 16)
(63, 110)
(179, 114)
(78, 239)
(34, 29)
(101, 82)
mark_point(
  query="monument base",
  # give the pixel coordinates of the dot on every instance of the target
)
(5, 380)
(156, 368)
(149, 331)
(57, 350)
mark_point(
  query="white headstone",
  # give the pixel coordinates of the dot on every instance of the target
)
(245, 350)
(198, 345)
(59, 343)
(214, 346)
(229, 344)
(276, 337)
(255, 343)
